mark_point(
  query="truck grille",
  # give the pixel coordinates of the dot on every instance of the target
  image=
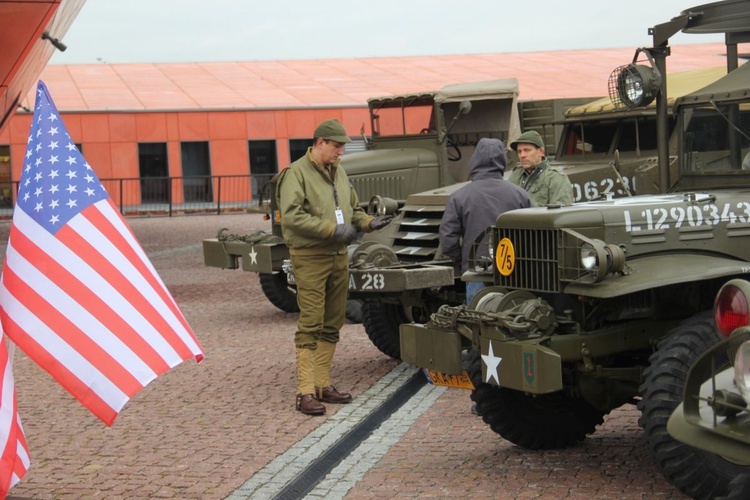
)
(369, 186)
(418, 235)
(537, 263)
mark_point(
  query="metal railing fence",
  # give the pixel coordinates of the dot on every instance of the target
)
(171, 196)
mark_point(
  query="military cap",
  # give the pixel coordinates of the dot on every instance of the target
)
(530, 137)
(332, 130)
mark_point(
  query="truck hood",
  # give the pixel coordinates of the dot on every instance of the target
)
(437, 197)
(666, 239)
(711, 223)
(388, 160)
(615, 212)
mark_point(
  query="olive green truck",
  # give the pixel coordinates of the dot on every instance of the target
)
(606, 303)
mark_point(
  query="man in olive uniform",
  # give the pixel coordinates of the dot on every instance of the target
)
(546, 185)
(320, 216)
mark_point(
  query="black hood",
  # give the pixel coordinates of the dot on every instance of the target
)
(489, 159)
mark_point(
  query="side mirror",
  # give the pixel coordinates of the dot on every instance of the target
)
(463, 108)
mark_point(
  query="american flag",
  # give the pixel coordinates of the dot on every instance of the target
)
(78, 295)
(14, 460)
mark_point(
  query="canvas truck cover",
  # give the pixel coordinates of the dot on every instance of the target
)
(498, 90)
(504, 91)
(719, 89)
(492, 89)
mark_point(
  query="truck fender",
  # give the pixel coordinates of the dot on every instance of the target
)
(655, 271)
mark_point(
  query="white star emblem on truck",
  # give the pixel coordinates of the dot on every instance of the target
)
(253, 255)
(492, 362)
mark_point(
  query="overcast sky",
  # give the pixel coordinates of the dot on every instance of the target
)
(115, 31)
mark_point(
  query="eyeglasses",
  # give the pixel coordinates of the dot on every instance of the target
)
(338, 145)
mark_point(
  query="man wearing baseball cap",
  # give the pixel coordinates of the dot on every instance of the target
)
(545, 185)
(320, 216)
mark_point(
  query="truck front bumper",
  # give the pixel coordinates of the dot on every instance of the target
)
(253, 257)
(521, 365)
(398, 278)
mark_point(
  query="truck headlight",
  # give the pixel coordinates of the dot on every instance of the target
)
(589, 257)
(601, 259)
(742, 370)
(380, 205)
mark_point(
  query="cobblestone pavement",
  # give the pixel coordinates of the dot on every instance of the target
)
(217, 429)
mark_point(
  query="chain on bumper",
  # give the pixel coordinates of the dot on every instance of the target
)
(530, 319)
(257, 237)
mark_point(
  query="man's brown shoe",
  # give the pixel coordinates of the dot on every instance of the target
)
(331, 395)
(308, 405)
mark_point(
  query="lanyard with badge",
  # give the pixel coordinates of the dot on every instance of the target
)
(339, 212)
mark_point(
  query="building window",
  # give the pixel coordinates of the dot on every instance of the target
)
(263, 165)
(152, 166)
(298, 148)
(263, 157)
(196, 172)
(6, 183)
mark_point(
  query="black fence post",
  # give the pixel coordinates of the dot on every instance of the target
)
(169, 193)
(218, 196)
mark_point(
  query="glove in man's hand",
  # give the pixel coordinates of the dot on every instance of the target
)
(345, 233)
(380, 222)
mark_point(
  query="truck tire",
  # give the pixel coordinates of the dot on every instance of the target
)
(381, 322)
(535, 422)
(354, 311)
(739, 488)
(278, 291)
(696, 473)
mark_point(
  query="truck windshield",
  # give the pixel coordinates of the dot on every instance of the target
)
(403, 119)
(716, 139)
(632, 135)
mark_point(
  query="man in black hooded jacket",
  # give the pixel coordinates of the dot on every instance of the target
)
(477, 205)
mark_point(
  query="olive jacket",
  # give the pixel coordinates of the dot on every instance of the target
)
(307, 201)
(550, 187)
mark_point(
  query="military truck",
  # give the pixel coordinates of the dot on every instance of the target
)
(599, 133)
(606, 151)
(715, 413)
(420, 141)
(606, 303)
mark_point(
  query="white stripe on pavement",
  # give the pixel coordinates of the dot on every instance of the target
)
(267, 482)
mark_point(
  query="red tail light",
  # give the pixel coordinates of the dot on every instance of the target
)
(730, 309)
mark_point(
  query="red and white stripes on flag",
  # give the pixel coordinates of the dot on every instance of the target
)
(77, 294)
(88, 307)
(14, 461)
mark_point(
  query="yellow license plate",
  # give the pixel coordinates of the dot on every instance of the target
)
(460, 381)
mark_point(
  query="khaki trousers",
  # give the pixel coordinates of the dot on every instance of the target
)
(322, 282)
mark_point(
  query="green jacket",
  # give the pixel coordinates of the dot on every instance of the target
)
(551, 187)
(307, 206)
